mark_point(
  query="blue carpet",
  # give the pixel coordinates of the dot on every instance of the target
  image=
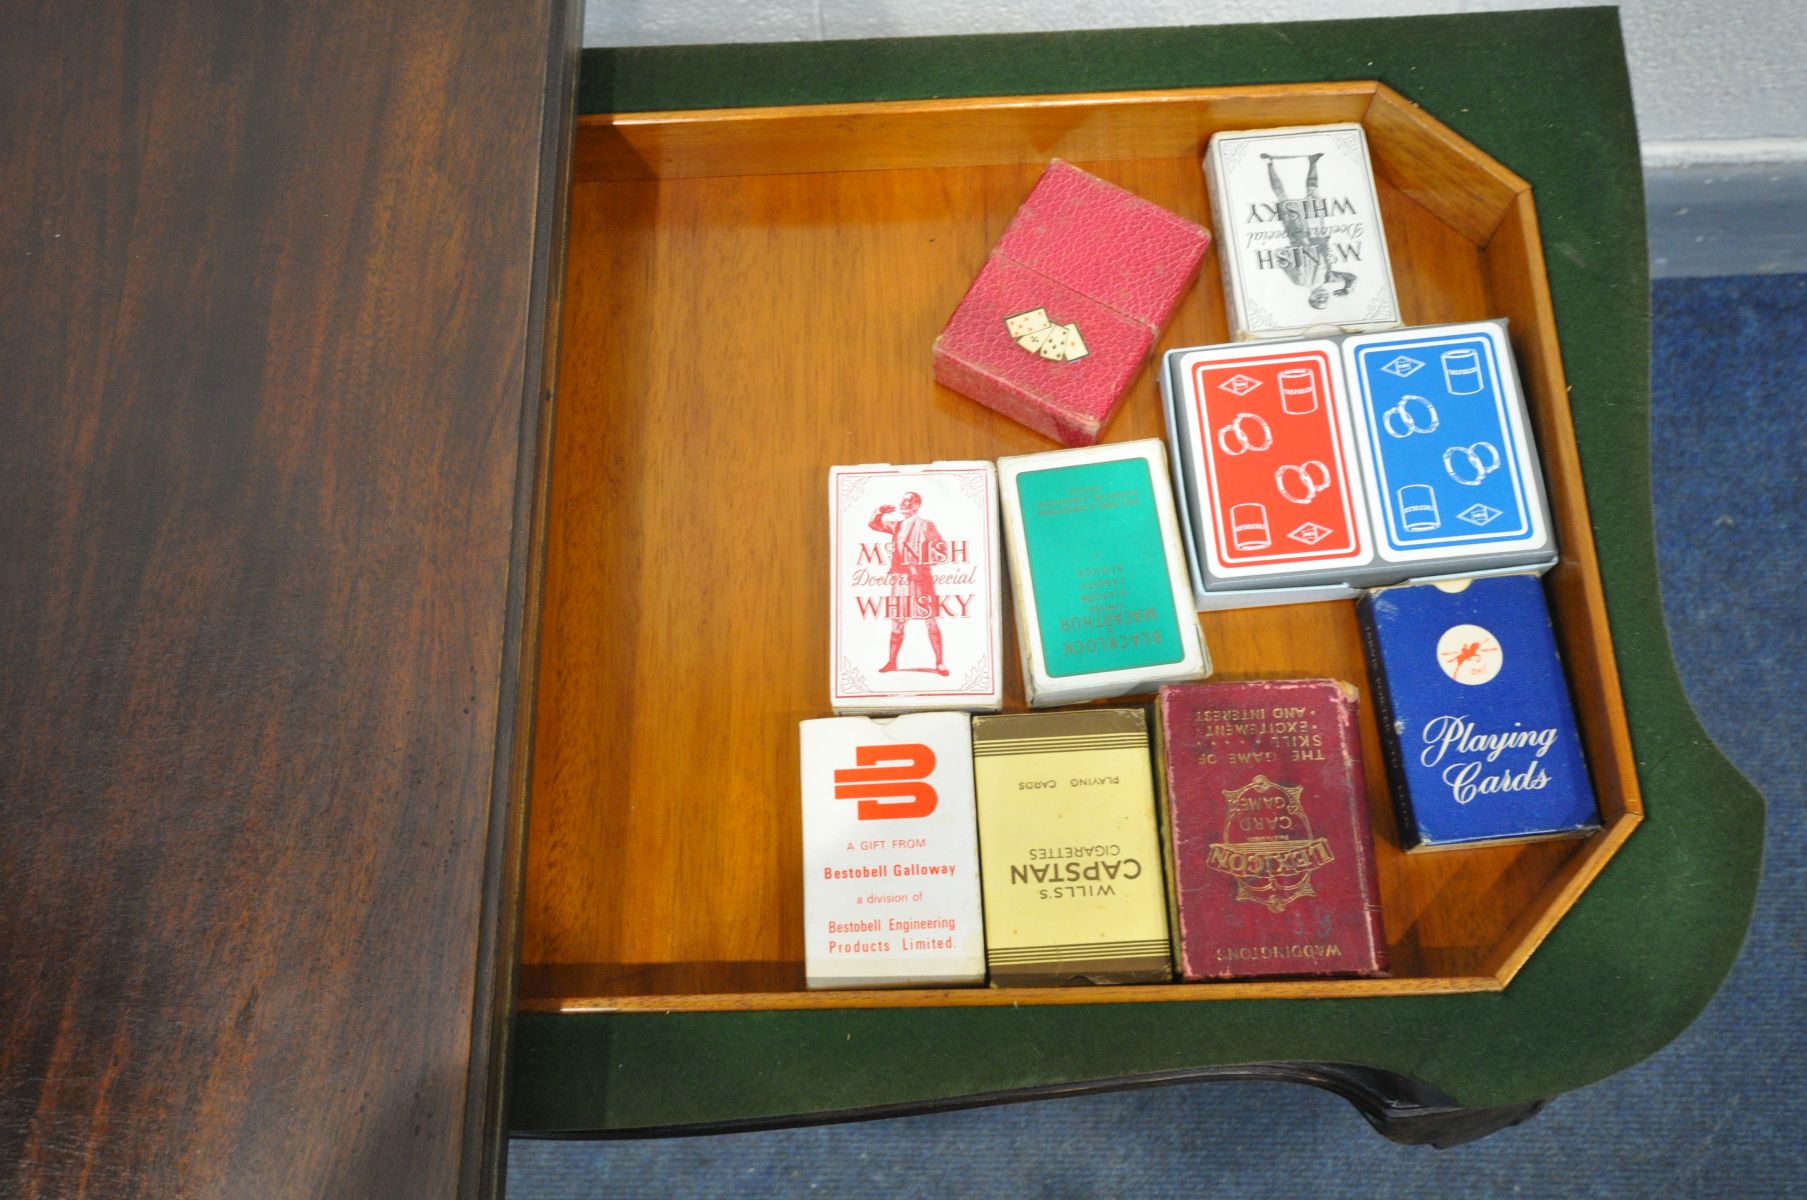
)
(1722, 1112)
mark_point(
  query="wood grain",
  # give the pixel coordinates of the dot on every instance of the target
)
(781, 309)
(1438, 168)
(271, 311)
(599, 990)
(1515, 270)
(984, 132)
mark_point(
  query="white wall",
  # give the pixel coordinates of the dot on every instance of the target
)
(1714, 80)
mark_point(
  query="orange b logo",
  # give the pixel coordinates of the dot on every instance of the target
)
(888, 782)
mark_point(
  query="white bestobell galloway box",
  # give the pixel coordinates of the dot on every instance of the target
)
(915, 588)
(1299, 232)
(891, 852)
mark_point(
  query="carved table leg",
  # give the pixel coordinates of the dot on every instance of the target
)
(1446, 1127)
(1404, 1110)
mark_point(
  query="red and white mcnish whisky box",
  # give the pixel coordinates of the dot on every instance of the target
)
(891, 852)
(1270, 862)
(1068, 305)
(915, 601)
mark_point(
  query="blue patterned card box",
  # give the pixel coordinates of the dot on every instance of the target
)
(1452, 478)
(1474, 713)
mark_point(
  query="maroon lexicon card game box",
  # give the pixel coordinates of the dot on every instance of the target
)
(1271, 860)
(1068, 305)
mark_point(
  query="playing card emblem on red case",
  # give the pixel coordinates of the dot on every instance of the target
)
(1047, 339)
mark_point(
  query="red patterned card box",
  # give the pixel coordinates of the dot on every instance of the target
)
(1266, 452)
(1270, 856)
(1068, 305)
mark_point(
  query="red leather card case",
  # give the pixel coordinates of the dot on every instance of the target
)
(1091, 255)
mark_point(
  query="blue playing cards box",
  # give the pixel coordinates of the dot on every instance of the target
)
(1453, 486)
(1474, 713)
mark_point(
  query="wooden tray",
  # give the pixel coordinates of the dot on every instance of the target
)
(751, 296)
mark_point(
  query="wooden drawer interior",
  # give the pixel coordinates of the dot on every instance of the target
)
(750, 298)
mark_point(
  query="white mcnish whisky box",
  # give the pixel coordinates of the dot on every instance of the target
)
(915, 588)
(1299, 232)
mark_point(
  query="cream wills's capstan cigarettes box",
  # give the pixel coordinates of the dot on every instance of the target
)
(1073, 886)
(890, 852)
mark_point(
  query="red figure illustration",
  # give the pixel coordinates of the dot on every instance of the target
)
(1469, 652)
(915, 544)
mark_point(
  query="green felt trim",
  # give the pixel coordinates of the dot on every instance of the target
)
(1632, 964)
